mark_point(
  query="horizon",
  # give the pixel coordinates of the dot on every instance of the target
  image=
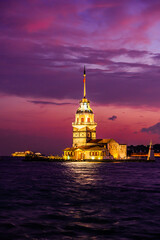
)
(44, 47)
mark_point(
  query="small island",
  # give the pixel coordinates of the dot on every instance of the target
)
(86, 147)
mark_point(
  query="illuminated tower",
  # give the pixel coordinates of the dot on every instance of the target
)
(151, 152)
(84, 127)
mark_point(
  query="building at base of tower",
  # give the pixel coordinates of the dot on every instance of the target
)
(85, 144)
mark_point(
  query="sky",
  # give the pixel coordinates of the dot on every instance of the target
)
(44, 45)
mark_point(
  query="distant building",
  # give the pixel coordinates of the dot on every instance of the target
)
(21, 154)
(85, 144)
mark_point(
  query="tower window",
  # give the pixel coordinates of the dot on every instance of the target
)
(88, 120)
(82, 119)
(77, 120)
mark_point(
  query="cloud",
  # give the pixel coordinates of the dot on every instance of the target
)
(155, 129)
(48, 103)
(113, 118)
(41, 57)
(31, 70)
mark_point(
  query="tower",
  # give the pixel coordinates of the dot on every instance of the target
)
(84, 127)
(151, 153)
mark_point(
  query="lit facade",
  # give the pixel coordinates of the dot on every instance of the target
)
(85, 144)
(84, 127)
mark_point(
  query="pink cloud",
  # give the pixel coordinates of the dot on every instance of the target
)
(38, 25)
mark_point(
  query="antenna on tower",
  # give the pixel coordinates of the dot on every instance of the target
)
(84, 81)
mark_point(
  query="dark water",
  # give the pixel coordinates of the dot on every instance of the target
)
(79, 200)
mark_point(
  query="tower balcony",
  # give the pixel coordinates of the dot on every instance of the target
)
(83, 124)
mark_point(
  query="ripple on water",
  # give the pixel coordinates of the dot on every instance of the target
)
(79, 200)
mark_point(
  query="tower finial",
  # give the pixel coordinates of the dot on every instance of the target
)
(84, 81)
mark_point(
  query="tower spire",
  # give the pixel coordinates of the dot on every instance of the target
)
(84, 81)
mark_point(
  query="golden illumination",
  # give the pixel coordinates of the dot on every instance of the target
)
(85, 145)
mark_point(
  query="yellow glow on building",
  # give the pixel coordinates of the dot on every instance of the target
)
(85, 144)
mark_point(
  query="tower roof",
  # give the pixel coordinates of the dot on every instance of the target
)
(84, 106)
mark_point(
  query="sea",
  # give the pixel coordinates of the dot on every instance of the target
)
(79, 200)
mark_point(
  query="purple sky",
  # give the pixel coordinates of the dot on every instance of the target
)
(44, 45)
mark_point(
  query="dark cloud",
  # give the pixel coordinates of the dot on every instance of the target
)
(47, 103)
(55, 72)
(135, 132)
(155, 129)
(41, 57)
(113, 118)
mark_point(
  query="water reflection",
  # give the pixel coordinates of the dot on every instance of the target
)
(83, 172)
(79, 200)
